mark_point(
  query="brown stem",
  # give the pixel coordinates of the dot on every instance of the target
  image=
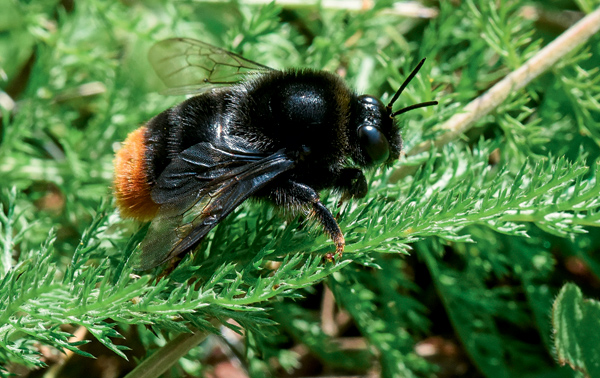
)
(461, 122)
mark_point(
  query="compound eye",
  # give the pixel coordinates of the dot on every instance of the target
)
(374, 143)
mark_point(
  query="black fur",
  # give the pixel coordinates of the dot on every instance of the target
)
(258, 133)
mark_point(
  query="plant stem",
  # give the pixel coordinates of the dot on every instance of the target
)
(461, 122)
(6, 222)
(168, 355)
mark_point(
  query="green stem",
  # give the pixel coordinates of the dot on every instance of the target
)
(168, 355)
(7, 222)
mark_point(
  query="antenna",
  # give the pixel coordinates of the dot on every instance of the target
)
(402, 87)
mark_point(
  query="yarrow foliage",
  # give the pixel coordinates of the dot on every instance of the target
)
(461, 248)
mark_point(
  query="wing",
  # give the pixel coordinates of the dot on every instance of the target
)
(197, 190)
(187, 65)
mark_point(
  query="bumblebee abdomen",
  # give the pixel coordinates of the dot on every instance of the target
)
(132, 184)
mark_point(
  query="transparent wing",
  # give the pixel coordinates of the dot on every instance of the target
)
(197, 192)
(189, 65)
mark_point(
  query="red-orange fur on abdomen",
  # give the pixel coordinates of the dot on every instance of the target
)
(132, 190)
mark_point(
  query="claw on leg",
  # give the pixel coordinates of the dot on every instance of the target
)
(340, 243)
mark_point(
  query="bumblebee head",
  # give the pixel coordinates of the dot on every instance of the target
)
(377, 132)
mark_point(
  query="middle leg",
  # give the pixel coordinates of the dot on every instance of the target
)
(300, 195)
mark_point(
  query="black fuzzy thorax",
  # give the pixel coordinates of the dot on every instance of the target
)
(304, 112)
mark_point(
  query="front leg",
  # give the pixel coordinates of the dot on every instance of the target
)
(301, 195)
(352, 183)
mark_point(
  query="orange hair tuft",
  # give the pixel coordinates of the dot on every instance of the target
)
(132, 189)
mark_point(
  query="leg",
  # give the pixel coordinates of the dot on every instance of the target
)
(331, 227)
(296, 194)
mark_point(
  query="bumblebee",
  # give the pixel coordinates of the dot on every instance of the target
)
(252, 131)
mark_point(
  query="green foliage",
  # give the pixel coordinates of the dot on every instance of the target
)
(466, 245)
(573, 321)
